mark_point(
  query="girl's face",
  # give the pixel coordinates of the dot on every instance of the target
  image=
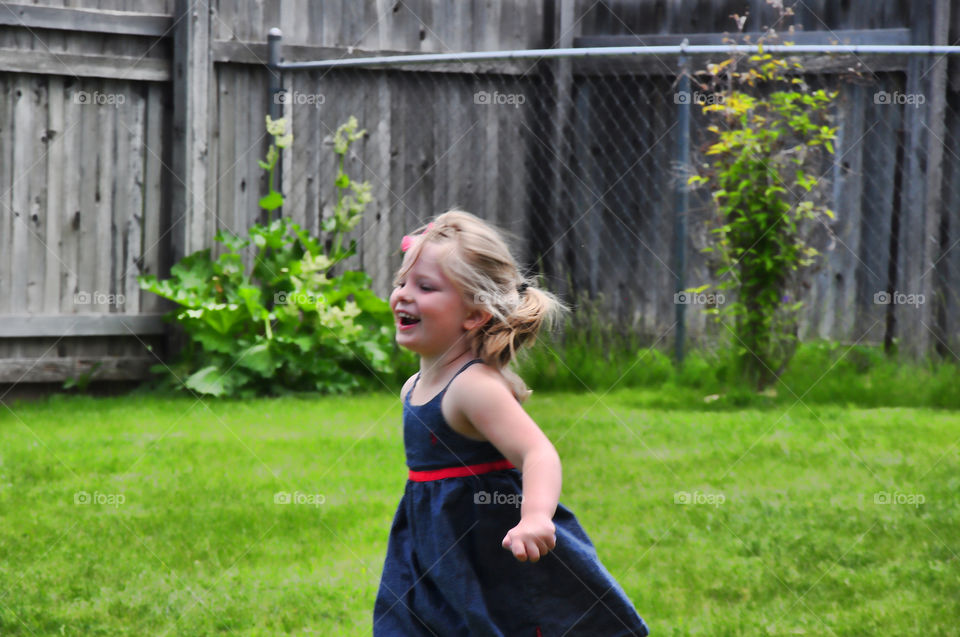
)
(429, 312)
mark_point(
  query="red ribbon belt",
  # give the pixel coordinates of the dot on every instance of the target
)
(460, 472)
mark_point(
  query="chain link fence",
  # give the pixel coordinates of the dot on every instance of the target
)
(583, 155)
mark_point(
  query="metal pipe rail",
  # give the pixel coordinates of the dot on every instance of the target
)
(618, 51)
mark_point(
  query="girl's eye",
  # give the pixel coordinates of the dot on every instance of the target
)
(425, 288)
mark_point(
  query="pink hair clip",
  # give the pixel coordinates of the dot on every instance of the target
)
(408, 239)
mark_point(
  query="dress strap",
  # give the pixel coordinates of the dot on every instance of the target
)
(410, 391)
(459, 371)
(442, 391)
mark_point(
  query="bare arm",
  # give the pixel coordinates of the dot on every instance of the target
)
(493, 411)
(541, 482)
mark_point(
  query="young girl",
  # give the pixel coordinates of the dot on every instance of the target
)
(480, 546)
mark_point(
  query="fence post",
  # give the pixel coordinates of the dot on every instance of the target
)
(681, 202)
(919, 230)
(936, 212)
(192, 224)
(275, 106)
(552, 235)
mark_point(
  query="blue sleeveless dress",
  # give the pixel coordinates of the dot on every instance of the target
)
(446, 573)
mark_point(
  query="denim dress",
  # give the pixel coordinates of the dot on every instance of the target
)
(446, 573)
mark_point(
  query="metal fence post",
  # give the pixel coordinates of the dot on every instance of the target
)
(275, 90)
(681, 201)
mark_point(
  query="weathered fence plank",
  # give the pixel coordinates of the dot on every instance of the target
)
(920, 215)
(384, 228)
(948, 263)
(49, 370)
(156, 205)
(73, 214)
(554, 250)
(7, 219)
(35, 179)
(225, 140)
(94, 20)
(85, 65)
(62, 325)
(24, 156)
(104, 209)
(55, 170)
(936, 88)
(194, 67)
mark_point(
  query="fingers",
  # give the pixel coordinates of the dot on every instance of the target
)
(524, 551)
(531, 550)
(528, 546)
(542, 547)
(518, 547)
(520, 551)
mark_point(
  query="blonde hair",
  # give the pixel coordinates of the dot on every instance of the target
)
(485, 272)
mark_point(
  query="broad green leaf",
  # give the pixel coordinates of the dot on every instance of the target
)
(258, 358)
(271, 201)
(209, 381)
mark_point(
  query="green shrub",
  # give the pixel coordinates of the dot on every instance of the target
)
(769, 137)
(290, 324)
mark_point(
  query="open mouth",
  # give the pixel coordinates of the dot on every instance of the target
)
(407, 319)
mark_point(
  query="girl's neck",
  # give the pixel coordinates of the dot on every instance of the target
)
(434, 369)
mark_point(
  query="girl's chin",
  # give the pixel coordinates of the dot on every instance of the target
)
(404, 339)
(410, 342)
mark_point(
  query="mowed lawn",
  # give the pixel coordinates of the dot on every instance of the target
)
(141, 515)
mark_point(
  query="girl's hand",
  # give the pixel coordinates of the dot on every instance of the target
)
(533, 538)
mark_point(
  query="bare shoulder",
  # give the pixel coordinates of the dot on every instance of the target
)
(479, 388)
(483, 406)
(484, 376)
(481, 382)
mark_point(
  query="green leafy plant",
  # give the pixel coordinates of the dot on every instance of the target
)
(281, 139)
(352, 197)
(289, 324)
(770, 135)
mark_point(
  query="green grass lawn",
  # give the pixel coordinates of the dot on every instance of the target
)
(784, 533)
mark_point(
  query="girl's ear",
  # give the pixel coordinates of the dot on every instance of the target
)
(476, 318)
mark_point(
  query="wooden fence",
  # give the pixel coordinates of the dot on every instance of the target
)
(130, 130)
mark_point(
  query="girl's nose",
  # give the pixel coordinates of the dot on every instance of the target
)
(402, 292)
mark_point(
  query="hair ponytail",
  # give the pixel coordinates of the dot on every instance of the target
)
(501, 339)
